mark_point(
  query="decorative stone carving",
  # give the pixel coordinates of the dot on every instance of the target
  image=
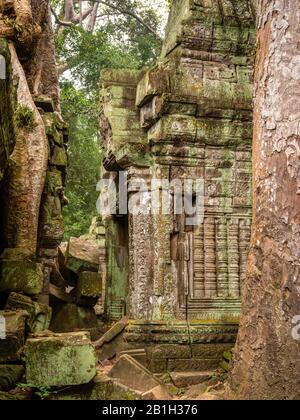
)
(188, 117)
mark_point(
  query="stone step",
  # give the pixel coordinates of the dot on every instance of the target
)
(186, 379)
(135, 376)
(112, 333)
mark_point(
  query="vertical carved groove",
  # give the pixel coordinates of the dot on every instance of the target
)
(233, 258)
(244, 241)
(199, 271)
(210, 258)
(222, 257)
(191, 265)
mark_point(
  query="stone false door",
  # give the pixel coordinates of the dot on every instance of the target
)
(196, 108)
(188, 117)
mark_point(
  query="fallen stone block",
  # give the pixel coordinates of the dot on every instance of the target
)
(133, 375)
(157, 394)
(138, 354)
(21, 276)
(62, 252)
(56, 277)
(112, 349)
(39, 314)
(112, 333)
(185, 379)
(60, 294)
(158, 365)
(59, 157)
(89, 288)
(68, 317)
(45, 103)
(60, 360)
(82, 255)
(10, 375)
(12, 335)
(68, 275)
(101, 388)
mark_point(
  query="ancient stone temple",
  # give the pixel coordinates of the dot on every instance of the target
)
(155, 285)
(188, 117)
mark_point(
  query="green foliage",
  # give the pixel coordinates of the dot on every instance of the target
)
(87, 53)
(41, 392)
(80, 111)
(227, 355)
(117, 41)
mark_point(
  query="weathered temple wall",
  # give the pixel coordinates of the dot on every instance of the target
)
(195, 109)
(192, 119)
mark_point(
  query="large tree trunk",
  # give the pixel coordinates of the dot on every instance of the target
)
(28, 167)
(34, 71)
(267, 354)
(40, 66)
(28, 24)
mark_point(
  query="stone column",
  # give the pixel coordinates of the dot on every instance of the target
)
(140, 245)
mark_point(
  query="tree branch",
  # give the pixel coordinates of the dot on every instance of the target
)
(130, 13)
(74, 19)
(62, 67)
(93, 17)
(58, 21)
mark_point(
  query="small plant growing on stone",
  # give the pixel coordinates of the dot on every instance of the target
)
(226, 363)
(24, 118)
(41, 392)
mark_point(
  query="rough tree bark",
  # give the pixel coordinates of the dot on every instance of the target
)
(28, 164)
(34, 71)
(267, 354)
(28, 24)
(40, 66)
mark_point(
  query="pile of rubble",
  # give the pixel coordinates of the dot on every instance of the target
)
(77, 297)
(46, 345)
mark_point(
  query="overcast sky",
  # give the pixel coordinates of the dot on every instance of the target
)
(162, 8)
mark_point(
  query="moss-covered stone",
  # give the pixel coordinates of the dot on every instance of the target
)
(101, 389)
(188, 17)
(39, 314)
(10, 375)
(70, 317)
(82, 255)
(13, 339)
(59, 360)
(156, 81)
(21, 276)
(45, 103)
(53, 180)
(59, 157)
(118, 113)
(174, 127)
(89, 287)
